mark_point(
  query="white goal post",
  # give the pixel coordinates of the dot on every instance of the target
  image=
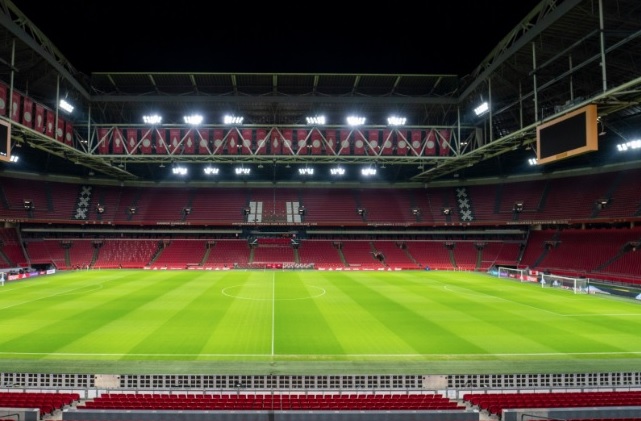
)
(513, 273)
(576, 285)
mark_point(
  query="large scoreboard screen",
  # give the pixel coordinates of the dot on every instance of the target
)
(571, 134)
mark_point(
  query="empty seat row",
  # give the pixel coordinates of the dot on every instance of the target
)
(495, 403)
(46, 402)
(271, 401)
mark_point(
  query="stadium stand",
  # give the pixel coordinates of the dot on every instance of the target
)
(324, 254)
(496, 403)
(10, 249)
(218, 205)
(431, 254)
(46, 402)
(397, 207)
(45, 252)
(394, 254)
(450, 194)
(227, 254)
(491, 204)
(180, 254)
(360, 254)
(282, 402)
(125, 253)
(330, 206)
(500, 253)
(563, 249)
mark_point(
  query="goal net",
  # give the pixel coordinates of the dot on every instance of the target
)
(512, 273)
(576, 285)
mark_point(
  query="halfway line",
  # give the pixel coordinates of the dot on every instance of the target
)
(273, 309)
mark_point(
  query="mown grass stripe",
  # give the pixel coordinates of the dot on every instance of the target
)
(289, 318)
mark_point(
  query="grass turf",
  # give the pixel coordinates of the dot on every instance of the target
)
(309, 322)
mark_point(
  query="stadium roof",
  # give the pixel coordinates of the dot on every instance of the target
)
(564, 54)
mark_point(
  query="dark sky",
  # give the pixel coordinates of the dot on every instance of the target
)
(430, 37)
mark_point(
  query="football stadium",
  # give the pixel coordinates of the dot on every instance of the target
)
(339, 246)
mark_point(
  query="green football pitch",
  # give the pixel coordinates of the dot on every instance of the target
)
(310, 322)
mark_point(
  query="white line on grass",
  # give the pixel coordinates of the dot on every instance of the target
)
(273, 308)
(448, 356)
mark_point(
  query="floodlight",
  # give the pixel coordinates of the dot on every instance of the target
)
(65, 106)
(633, 144)
(446, 211)
(317, 120)
(211, 170)
(355, 120)
(100, 208)
(518, 207)
(396, 121)
(152, 119)
(187, 210)
(28, 204)
(194, 119)
(179, 170)
(482, 108)
(232, 119)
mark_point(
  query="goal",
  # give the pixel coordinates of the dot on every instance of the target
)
(576, 285)
(512, 273)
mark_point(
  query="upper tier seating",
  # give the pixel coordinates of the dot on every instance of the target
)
(329, 206)
(396, 206)
(558, 199)
(274, 203)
